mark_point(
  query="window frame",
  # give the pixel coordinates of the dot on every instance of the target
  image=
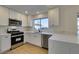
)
(77, 24)
(40, 22)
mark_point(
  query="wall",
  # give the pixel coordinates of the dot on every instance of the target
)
(67, 20)
(40, 15)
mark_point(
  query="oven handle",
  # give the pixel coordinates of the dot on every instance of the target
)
(17, 35)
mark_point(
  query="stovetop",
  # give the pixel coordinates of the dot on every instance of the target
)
(15, 32)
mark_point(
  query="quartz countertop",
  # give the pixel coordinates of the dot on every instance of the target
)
(47, 33)
(31, 32)
(4, 34)
(70, 38)
(35, 32)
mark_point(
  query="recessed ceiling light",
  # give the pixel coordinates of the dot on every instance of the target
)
(37, 12)
(26, 12)
(47, 5)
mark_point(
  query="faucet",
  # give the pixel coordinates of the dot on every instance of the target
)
(39, 30)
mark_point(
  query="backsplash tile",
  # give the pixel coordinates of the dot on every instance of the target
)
(3, 29)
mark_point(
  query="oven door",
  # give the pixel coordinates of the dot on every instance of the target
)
(17, 39)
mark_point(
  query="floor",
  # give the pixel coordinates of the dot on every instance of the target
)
(28, 49)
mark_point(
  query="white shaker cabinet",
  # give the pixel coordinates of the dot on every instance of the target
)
(26, 37)
(53, 16)
(58, 47)
(33, 38)
(24, 20)
(36, 39)
(12, 14)
(5, 43)
(30, 20)
(18, 16)
(4, 15)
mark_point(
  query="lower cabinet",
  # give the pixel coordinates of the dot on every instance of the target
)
(33, 38)
(74, 48)
(5, 43)
(60, 47)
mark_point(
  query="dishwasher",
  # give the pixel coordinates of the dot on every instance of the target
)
(44, 41)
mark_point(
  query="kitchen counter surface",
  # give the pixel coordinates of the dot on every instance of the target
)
(35, 32)
(69, 38)
(63, 43)
(48, 33)
(29, 32)
(4, 34)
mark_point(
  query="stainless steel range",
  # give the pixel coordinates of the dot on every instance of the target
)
(17, 37)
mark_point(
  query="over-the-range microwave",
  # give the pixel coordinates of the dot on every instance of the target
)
(14, 22)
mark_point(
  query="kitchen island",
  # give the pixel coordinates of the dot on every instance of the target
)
(63, 44)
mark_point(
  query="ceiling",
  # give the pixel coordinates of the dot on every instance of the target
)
(32, 9)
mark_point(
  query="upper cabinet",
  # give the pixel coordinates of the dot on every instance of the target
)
(18, 16)
(24, 20)
(12, 14)
(4, 15)
(53, 16)
(30, 19)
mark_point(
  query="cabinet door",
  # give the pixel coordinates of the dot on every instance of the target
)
(5, 43)
(33, 39)
(58, 47)
(28, 37)
(12, 14)
(29, 20)
(53, 16)
(36, 39)
(24, 20)
(18, 16)
(74, 48)
(4, 15)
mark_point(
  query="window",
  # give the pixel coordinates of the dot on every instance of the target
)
(78, 25)
(41, 23)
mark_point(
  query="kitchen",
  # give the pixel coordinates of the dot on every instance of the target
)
(17, 27)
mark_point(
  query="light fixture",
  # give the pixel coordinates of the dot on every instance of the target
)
(37, 12)
(26, 12)
(48, 5)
